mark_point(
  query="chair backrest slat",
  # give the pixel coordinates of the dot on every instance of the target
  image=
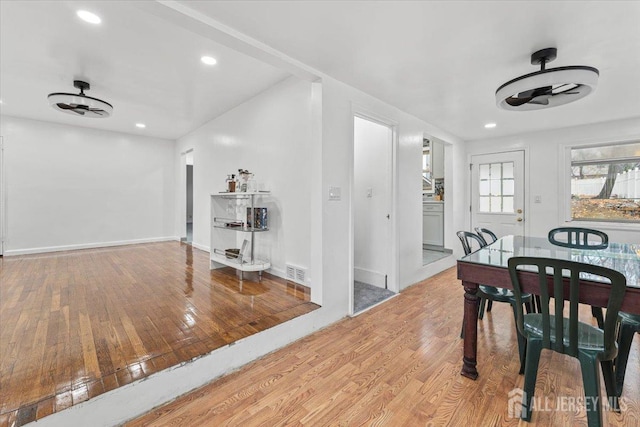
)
(482, 231)
(550, 268)
(467, 238)
(579, 238)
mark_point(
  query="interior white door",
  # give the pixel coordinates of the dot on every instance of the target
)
(373, 145)
(497, 192)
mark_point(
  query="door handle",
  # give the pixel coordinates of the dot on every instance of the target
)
(519, 219)
(519, 211)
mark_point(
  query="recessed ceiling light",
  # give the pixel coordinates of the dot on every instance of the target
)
(490, 125)
(141, 125)
(208, 60)
(89, 17)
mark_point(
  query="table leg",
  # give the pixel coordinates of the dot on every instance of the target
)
(470, 330)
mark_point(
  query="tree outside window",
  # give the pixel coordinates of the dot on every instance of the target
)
(605, 183)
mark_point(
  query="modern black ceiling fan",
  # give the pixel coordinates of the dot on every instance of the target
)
(547, 87)
(80, 104)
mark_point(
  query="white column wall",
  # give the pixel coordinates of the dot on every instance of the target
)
(545, 176)
(269, 135)
(339, 102)
(70, 187)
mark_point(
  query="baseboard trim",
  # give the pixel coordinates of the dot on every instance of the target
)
(370, 277)
(29, 251)
(201, 247)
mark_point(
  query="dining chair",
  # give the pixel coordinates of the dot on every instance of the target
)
(491, 293)
(578, 238)
(629, 325)
(482, 231)
(594, 348)
(492, 238)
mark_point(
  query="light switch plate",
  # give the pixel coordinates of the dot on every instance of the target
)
(335, 193)
(537, 199)
(369, 192)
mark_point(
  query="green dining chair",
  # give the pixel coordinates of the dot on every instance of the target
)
(581, 238)
(629, 325)
(595, 348)
(491, 293)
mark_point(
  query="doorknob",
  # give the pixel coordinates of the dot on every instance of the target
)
(519, 219)
(519, 211)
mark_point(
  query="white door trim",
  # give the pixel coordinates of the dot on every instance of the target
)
(393, 277)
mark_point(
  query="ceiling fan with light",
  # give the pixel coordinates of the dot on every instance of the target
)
(547, 87)
(80, 104)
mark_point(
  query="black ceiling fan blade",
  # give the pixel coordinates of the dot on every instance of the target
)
(64, 106)
(540, 101)
(516, 102)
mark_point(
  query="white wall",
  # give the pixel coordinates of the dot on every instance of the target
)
(545, 177)
(269, 135)
(339, 101)
(72, 187)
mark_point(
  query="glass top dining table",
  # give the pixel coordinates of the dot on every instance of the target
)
(488, 266)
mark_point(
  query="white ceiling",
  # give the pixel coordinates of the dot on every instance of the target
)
(147, 68)
(441, 61)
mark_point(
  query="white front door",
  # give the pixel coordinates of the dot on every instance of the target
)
(497, 192)
(373, 144)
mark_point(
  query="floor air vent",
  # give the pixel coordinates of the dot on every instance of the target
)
(296, 274)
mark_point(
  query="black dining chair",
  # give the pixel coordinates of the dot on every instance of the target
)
(491, 293)
(629, 325)
(482, 231)
(579, 238)
(594, 348)
(487, 240)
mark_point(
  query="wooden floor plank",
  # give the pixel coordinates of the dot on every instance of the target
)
(80, 323)
(397, 364)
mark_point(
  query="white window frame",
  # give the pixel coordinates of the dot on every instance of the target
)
(564, 201)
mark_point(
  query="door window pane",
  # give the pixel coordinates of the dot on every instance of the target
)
(496, 187)
(507, 170)
(484, 172)
(508, 186)
(484, 188)
(496, 181)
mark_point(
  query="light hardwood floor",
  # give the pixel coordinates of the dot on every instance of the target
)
(77, 324)
(395, 365)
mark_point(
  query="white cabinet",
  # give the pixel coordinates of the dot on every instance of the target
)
(433, 225)
(236, 221)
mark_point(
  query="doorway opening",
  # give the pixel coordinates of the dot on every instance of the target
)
(433, 186)
(186, 164)
(372, 205)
